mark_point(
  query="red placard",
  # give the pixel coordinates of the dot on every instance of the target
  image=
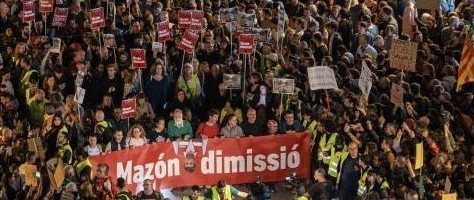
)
(188, 42)
(28, 11)
(46, 6)
(138, 58)
(97, 18)
(60, 17)
(184, 19)
(197, 16)
(129, 107)
(246, 43)
(234, 160)
(164, 33)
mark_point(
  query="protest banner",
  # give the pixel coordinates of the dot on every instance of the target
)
(97, 18)
(419, 156)
(79, 95)
(129, 107)
(28, 11)
(403, 55)
(197, 17)
(427, 4)
(46, 6)
(188, 42)
(56, 47)
(396, 95)
(321, 77)
(246, 20)
(452, 196)
(246, 44)
(184, 19)
(235, 160)
(60, 17)
(228, 14)
(283, 86)
(365, 80)
(164, 33)
(109, 41)
(138, 58)
(232, 81)
(79, 78)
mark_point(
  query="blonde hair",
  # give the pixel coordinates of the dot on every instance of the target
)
(142, 130)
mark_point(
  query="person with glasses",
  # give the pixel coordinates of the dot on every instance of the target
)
(148, 192)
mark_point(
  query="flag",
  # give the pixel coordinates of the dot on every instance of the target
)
(466, 68)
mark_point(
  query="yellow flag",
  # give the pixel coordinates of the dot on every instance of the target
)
(419, 156)
(452, 196)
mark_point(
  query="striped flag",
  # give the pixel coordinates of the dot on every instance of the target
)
(466, 68)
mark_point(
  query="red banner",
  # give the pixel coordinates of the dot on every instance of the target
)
(129, 107)
(28, 11)
(188, 42)
(197, 17)
(60, 17)
(246, 43)
(164, 33)
(184, 19)
(46, 6)
(205, 162)
(97, 18)
(138, 58)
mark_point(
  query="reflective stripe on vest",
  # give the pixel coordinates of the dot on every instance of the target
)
(63, 150)
(227, 193)
(189, 198)
(334, 163)
(302, 198)
(362, 187)
(325, 146)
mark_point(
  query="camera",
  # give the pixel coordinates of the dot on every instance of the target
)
(259, 190)
(293, 180)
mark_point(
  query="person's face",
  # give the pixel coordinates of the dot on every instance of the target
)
(51, 81)
(353, 150)
(137, 133)
(92, 141)
(118, 136)
(189, 163)
(22, 49)
(181, 96)
(188, 69)
(252, 115)
(289, 119)
(214, 118)
(159, 70)
(178, 115)
(107, 100)
(99, 116)
(272, 127)
(111, 71)
(57, 121)
(317, 176)
(161, 124)
(233, 121)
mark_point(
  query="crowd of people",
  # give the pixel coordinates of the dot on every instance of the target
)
(363, 147)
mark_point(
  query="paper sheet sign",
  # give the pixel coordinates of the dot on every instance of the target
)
(322, 77)
(97, 18)
(79, 78)
(197, 17)
(232, 81)
(365, 80)
(46, 6)
(28, 11)
(403, 55)
(283, 86)
(184, 19)
(138, 58)
(188, 42)
(281, 21)
(129, 107)
(246, 43)
(419, 156)
(228, 14)
(452, 196)
(29, 171)
(79, 95)
(56, 48)
(247, 20)
(164, 33)
(60, 17)
(396, 95)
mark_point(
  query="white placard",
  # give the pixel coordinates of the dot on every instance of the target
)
(322, 77)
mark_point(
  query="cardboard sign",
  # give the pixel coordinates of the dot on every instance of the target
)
(188, 42)
(235, 160)
(184, 19)
(246, 43)
(365, 80)
(57, 176)
(138, 58)
(452, 196)
(46, 6)
(56, 48)
(427, 4)
(419, 156)
(232, 81)
(247, 20)
(28, 11)
(396, 95)
(60, 17)
(283, 86)
(228, 15)
(164, 33)
(29, 171)
(403, 55)
(197, 18)
(109, 41)
(35, 145)
(129, 107)
(79, 78)
(79, 95)
(322, 77)
(97, 18)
